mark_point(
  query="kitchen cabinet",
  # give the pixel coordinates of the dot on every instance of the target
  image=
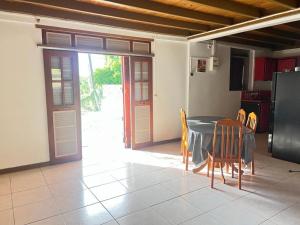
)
(286, 65)
(264, 68)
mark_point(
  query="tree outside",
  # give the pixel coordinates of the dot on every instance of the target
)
(91, 87)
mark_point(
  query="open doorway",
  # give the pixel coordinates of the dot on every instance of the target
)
(101, 100)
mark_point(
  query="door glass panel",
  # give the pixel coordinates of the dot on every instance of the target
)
(137, 71)
(55, 68)
(68, 93)
(67, 68)
(57, 93)
(145, 91)
(145, 71)
(137, 91)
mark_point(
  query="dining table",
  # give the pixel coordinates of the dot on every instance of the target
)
(200, 140)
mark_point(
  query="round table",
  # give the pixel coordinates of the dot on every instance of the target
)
(201, 131)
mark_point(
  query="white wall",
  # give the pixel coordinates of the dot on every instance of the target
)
(169, 88)
(209, 92)
(23, 120)
(23, 115)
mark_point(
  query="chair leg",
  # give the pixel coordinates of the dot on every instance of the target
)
(212, 173)
(186, 160)
(227, 167)
(208, 165)
(221, 166)
(240, 174)
(232, 170)
(182, 152)
(252, 165)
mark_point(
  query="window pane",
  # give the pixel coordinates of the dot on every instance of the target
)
(145, 91)
(137, 91)
(137, 71)
(145, 70)
(67, 68)
(68, 93)
(57, 93)
(55, 68)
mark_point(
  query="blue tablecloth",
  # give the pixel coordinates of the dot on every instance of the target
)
(201, 132)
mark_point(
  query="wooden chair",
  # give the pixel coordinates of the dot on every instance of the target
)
(252, 124)
(241, 116)
(184, 138)
(226, 155)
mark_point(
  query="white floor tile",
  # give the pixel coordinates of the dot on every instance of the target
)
(125, 204)
(35, 212)
(31, 196)
(145, 217)
(205, 219)
(98, 179)
(74, 201)
(155, 195)
(108, 191)
(4, 185)
(90, 215)
(232, 214)
(176, 210)
(6, 217)
(5, 202)
(26, 180)
(289, 216)
(65, 188)
(186, 184)
(55, 220)
(206, 199)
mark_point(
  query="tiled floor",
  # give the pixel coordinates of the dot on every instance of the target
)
(149, 188)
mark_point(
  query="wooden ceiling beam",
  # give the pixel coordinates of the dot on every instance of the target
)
(90, 9)
(271, 32)
(233, 7)
(250, 25)
(236, 40)
(62, 14)
(175, 11)
(289, 4)
(254, 37)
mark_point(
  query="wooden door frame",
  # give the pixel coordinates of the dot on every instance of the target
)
(126, 101)
(132, 96)
(50, 108)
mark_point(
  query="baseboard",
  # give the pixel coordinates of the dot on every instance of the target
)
(166, 141)
(25, 167)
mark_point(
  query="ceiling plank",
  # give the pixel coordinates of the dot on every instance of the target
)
(177, 11)
(62, 14)
(289, 4)
(82, 7)
(230, 6)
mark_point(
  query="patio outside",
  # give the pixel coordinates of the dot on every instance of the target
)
(101, 104)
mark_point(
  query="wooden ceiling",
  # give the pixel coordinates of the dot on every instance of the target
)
(175, 17)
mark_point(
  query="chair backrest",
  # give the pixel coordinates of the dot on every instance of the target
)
(183, 122)
(231, 130)
(252, 121)
(241, 116)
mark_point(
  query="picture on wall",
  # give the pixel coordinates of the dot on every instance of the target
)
(201, 65)
(198, 65)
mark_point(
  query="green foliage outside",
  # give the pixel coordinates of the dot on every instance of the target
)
(91, 89)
